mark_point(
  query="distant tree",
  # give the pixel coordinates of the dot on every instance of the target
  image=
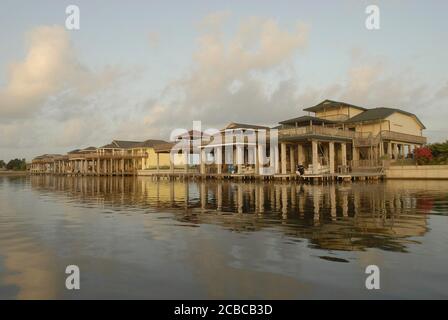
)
(2, 164)
(439, 149)
(16, 164)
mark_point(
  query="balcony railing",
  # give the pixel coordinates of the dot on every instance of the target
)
(402, 137)
(360, 138)
(316, 130)
(116, 155)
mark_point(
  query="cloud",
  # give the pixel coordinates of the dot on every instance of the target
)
(51, 101)
(50, 69)
(442, 93)
(153, 39)
(241, 76)
(373, 81)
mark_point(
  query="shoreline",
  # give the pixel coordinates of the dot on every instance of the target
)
(13, 173)
(384, 178)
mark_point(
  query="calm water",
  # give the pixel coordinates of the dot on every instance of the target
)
(138, 238)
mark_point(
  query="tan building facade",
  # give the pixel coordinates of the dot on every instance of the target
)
(334, 138)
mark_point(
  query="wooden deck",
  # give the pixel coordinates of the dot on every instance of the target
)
(285, 177)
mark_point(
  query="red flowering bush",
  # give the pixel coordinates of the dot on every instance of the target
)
(423, 155)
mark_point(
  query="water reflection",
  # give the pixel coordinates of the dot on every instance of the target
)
(332, 216)
(138, 238)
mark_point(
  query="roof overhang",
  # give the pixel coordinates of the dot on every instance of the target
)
(331, 104)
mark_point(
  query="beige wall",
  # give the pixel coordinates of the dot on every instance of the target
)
(404, 124)
(338, 113)
(396, 122)
(373, 128)
(417, 172)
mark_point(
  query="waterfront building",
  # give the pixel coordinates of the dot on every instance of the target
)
(336, 139)
(229, 151)
(116, 158)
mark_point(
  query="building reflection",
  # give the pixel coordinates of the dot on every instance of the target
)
(335, 216)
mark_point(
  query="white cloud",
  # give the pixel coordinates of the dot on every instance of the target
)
(234, 77)
(53, 101)
(50, 69)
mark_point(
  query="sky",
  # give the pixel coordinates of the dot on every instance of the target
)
(136, 70)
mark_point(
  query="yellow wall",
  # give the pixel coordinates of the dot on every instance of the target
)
(164, 159)
(403, 123)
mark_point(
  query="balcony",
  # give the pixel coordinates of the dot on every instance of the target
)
(107, 155)
(308, 131)
(402, 137)
(360, 139)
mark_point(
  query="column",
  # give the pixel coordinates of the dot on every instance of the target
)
(344, 154)
(301, 154)
(240, 158)
(218, 160)
(171, 157)
(186, 162)
(381, 151)
(283, 157)
(395, 146)
(292, 161)
(315, 157)
(202, 160)
(260, 158)
(389, 149)
(355, 155)
(331, 156)
(158, 162)
(257, 160)
(275, 156)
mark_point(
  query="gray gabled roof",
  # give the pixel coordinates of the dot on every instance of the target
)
(331, 103)
(150, 143)
(123, 144)
(235, 125)
(109, 146)
(88, 149)
(126, 144)
(307, 119)
(379, 114)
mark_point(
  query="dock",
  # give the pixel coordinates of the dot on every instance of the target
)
(313, 178)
